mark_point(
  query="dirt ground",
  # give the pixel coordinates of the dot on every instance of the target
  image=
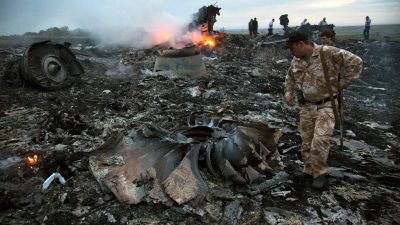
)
(119, 92)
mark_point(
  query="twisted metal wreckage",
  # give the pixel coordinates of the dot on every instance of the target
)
(44, 65)
(156, 165)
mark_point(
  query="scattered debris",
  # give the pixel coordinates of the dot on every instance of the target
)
(80, 132)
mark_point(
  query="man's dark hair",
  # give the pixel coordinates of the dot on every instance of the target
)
(297, 36)
(326, 33)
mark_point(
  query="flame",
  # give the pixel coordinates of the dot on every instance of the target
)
(208, 41)
(162, 34)
(166, 37)
(32, 160)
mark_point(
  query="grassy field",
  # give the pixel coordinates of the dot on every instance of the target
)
(377, 32)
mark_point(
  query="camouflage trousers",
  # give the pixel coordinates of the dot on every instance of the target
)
(316, 125)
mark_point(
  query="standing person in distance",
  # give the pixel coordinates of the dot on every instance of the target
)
(251, 27)
(367, 27)
(270, 26)
(255, 26)
(323, 22)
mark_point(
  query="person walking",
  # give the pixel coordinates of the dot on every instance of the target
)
(270, 27)
(314, 71)
(367, 27)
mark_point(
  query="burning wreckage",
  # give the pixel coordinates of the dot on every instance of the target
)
(152, 164)
(205, 19)
(198, 129)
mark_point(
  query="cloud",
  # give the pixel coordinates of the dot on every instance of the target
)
(329, 4)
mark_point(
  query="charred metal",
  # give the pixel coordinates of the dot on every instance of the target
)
(45, 65)
(155, 166)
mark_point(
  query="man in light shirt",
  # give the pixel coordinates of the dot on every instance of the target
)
(367, 27)
(323, 22)
(270, 26)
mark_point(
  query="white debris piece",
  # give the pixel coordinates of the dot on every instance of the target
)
(256, 72)
(374, 125)
(106, 91)
(280, 193)
(282, 61)
(60, 147)
(195, 91)
(350, 133)
(110, 218)
(147, 72)
(50, 179)
(209, 58)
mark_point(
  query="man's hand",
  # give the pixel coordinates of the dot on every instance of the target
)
(290, 100)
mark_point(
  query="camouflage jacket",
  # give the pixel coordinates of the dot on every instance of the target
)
(309, 76)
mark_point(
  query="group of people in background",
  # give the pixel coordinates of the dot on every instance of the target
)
(253, 27)
(326, 33)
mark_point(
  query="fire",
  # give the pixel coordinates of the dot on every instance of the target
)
(32, 160)
(166, 37)
(209, 41)
(162, 35)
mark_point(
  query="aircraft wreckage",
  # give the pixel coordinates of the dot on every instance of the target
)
(44, 65)
(155, 165)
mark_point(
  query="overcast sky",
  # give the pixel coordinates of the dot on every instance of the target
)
(20, 16)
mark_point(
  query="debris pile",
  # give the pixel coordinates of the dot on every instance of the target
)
(91, 133)
(168, 167)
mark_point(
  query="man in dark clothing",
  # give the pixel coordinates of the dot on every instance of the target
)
(251, 27)
(255, 27)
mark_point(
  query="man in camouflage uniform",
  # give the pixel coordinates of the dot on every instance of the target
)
(317, 119)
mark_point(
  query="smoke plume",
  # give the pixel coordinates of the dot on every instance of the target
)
(138, 23)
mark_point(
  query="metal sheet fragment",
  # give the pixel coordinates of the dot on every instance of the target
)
(186, 183)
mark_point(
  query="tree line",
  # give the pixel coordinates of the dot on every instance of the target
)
(59, 32)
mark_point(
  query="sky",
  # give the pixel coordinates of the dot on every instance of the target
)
(121, 18)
